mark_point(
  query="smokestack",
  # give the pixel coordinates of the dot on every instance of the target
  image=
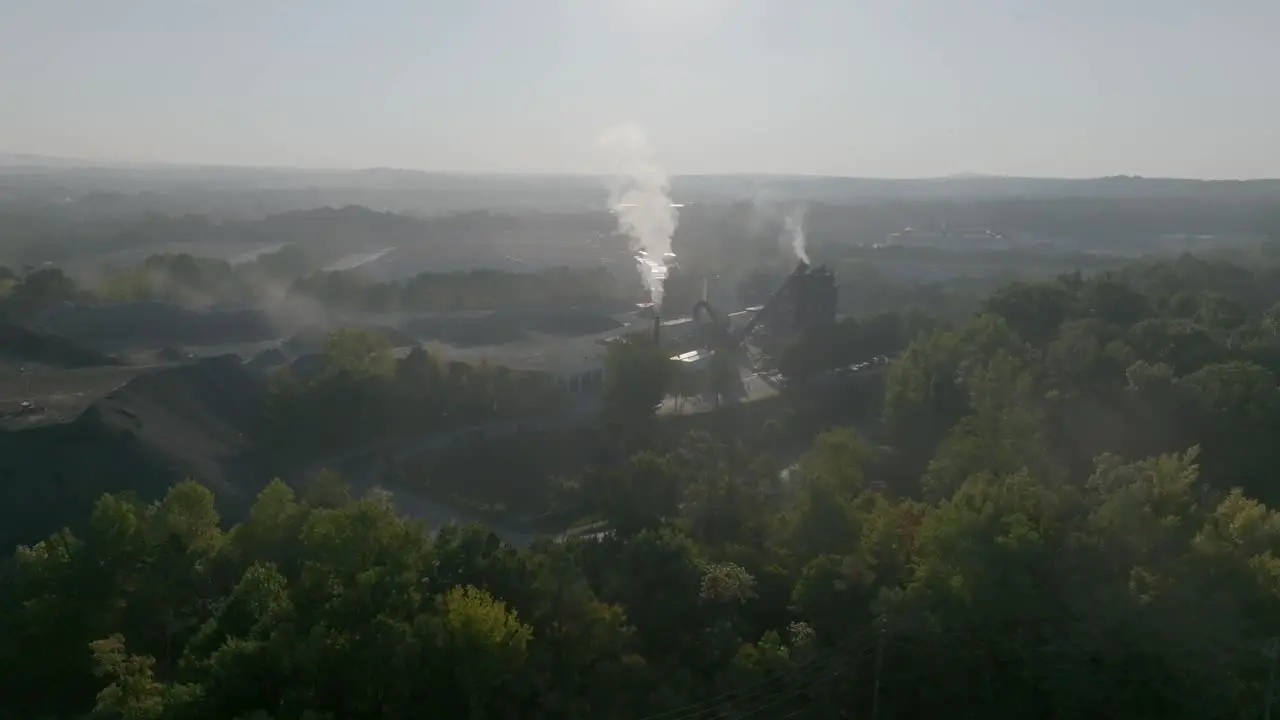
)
(657, 328)
(641, 202)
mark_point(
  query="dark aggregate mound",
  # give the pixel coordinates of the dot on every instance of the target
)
(505, 326)
(464, 331)
(311, 338)
(397, 337)
(307, 365)
(268, 360)
(151, 324)
(308, 339)
(19, 344)
(195, 421)
(557, 322)
(171, 354)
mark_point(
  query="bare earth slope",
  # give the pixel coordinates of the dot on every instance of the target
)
(193, 421)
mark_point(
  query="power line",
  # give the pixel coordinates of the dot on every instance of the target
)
(793, 694)
(1272, 651)
(796, 692)
(875, 692)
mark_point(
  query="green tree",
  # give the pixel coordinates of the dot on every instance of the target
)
(1033, 310)
(637, 375)
(1003, 435)
(640, 495)
(39, 291)
(133, 692)
(326, 489)
(482, 642)
(359, 353)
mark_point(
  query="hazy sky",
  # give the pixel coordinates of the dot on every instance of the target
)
(891, 88)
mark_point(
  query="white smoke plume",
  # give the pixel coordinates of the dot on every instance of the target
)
(794, 232)
(639, 196)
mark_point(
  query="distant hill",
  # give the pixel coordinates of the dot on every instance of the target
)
(192, 421)
(841, 190)
(465, 190)
(27, 160)
(57, 162)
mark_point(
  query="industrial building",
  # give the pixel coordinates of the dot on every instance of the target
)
(577, 365)
(806, 301)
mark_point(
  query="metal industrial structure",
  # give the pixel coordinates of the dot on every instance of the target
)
(724, 344)
(805, 300)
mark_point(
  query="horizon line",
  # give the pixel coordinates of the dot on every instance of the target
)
(14, 161)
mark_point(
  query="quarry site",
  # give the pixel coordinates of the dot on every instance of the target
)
(639, 360)
(157, 343)
(161, 354)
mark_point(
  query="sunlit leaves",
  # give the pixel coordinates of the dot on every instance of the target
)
(359, 353)
(132, 692)
(726, 583)
(481, 641)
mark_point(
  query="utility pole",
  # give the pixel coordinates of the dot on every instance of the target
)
(875, 691)
(1272, 651)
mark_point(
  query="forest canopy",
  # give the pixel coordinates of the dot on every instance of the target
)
(1064, 510)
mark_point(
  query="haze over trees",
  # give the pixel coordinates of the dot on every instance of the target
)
(1063, 511)
(376, 443)
(1055, 501)
(361, 392)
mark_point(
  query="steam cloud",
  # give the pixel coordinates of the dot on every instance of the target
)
(794, 232)
(640, 200)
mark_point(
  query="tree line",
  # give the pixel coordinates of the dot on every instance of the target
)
(555, 288)
(1063, 512)
(359, 391)
(275, 277)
